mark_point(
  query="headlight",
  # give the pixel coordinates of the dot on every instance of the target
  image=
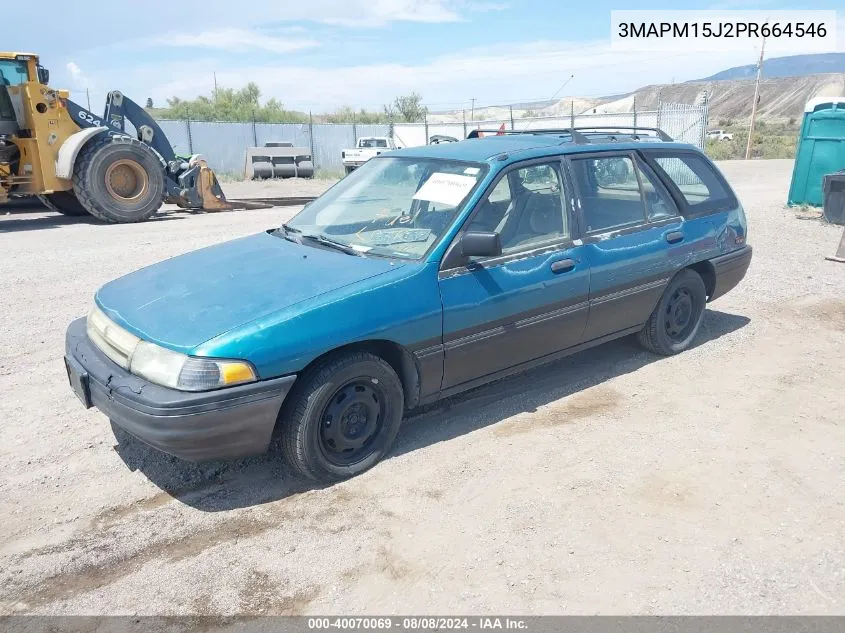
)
(163, 366)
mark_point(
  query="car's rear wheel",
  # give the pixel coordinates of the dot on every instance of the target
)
(342, 416)
(674, 324)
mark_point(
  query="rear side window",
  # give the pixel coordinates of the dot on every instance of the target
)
(700, 186)
(617, 192)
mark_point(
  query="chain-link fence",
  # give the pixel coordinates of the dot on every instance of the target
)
(224, 144)
(685, 123)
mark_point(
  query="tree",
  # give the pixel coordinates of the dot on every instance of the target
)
(408, 108)
(149, 102)
(228, 104)
(347, 114)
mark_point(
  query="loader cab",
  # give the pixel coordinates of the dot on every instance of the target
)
(15, 70)
(12, 73)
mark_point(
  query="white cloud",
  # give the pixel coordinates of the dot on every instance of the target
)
(233, 40)
(375, 13)
(79, 79)
(506, 72)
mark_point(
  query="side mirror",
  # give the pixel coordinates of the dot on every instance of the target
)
(43, 75)
(481, 244)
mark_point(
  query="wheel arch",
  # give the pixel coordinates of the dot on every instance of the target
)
(397, 356)
(70, 149)
(707, 272)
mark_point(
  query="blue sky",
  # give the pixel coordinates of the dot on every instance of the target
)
(320, 54)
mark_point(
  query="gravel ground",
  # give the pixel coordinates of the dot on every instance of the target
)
(611, 482)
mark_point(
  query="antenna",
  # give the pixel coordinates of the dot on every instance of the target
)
(557, 92)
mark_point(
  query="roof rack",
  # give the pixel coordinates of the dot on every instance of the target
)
(634, 128)
(577, 137)
(577, 133)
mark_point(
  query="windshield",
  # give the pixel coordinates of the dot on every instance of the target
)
(372, 142)
(12, 72)
(394, 207)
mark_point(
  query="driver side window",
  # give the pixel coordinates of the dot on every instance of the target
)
(525, 208)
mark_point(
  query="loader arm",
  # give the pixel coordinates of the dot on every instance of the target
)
(119, 110)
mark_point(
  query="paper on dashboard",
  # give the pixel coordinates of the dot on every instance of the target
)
(446, 188)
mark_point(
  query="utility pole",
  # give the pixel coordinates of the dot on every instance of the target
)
(756, 96)
(215, 87)
(472, 111)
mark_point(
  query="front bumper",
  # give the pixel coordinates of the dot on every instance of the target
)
(195, 426)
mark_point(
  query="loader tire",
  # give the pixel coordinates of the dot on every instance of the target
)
(119, 179)
(64, 202)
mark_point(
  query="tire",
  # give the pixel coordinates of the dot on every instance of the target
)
(262, 169)
(675, 322)
(119, 180)
(64, 202)
(358, 392)
(349, 170)
(305, 169)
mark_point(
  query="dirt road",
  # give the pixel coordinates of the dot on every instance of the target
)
(611, 482)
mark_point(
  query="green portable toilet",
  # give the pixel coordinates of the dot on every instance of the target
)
(821, 149)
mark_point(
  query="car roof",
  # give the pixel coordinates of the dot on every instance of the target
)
(513, 147)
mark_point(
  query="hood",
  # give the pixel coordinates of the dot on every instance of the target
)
(187, 300)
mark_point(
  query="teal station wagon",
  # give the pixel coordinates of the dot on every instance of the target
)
(426, 272)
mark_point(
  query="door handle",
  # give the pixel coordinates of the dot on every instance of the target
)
(563, 265)
(674, 236)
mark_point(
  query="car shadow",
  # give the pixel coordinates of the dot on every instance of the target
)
(226, 485)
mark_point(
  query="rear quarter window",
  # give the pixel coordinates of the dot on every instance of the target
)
(697, 184)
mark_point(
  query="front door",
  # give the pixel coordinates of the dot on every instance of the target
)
(532, 300)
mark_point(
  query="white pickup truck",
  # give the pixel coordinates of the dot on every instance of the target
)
(367, 148)
(720, 135)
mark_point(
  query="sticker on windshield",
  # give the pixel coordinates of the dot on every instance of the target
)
(445, 188)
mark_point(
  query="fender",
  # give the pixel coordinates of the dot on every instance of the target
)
(70, 150)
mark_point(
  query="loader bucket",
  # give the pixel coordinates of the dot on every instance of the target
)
(840, 252)
(200, 189)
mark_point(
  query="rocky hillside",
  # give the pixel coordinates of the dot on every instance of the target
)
(781, 98)
(790, 66)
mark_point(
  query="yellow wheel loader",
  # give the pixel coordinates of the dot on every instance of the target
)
(80, 163)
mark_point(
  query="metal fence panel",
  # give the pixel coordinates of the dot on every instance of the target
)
(296, 133)
(177, 134)
(329, 141)
(224, 144)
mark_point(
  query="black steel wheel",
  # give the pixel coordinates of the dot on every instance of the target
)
(673, 325)
(342, 416)
(351, 421)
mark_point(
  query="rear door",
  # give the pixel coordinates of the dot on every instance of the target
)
(529, 302)
(633, 235)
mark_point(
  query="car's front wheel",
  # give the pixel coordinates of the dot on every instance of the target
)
(342, 416)
(675, 321)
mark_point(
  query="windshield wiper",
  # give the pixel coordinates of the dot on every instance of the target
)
(327, 241)
(290, 229)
